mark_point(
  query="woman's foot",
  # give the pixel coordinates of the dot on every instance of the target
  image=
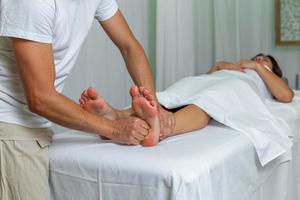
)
(91, 101)
(145, 107)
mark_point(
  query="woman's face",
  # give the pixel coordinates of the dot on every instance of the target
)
(265, 60)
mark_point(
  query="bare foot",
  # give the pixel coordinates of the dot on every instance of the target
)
(91, 101)
(145, 107)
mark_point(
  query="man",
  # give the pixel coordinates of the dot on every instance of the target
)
(40, 41)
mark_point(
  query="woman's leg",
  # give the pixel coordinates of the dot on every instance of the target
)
(189, 118)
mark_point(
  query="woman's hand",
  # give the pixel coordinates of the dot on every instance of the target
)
(249, 64)
(223, 65)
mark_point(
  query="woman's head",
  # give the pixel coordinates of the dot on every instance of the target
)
(270, 62)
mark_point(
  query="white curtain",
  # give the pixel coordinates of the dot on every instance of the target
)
(193, 34)
(179, 39)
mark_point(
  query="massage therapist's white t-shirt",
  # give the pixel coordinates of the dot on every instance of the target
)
(63, 23)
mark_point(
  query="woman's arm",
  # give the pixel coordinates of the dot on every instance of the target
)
(223, 65)
(278, 88)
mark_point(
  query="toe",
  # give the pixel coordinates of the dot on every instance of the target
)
(134, 91)
(81, 101)
(149, 97)
(84, 93)
(92, 93)
(153, 103)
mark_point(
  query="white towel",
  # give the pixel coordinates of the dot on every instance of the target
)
(297, 95)
(237, 100)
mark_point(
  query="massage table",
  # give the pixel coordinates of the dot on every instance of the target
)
(214, 163)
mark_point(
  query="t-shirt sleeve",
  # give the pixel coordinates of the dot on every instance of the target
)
(106, 9)
(27, 19)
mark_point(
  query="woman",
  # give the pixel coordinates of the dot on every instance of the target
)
(263, 69)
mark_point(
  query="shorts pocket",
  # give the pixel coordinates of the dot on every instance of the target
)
(32, 170)
(27, 146)
(43, 143)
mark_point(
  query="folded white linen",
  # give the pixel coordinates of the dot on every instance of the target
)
(237, 100)
(297, 95)
(214, 163)
(286, 112)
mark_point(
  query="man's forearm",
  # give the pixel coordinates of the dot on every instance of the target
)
(138, 66)
(63, 111)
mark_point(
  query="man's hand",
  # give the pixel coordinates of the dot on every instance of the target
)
(167, 122)
(131, 130)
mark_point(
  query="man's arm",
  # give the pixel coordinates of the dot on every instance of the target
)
(37, 71)
(133, 53)
(136, 61)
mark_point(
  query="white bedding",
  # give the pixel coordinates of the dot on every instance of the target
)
(215, 163)
(237, 100)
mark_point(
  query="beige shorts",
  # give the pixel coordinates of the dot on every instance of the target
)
(24, 162)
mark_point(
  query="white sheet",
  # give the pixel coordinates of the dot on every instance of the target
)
(237, 100)
(215, 163)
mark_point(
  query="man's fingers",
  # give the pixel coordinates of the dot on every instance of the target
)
(143, 131)
(143, 124)
(134, 141)
(139, 136)
(165, 122)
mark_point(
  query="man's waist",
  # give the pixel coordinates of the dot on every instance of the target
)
(23, 117)
(10, 131)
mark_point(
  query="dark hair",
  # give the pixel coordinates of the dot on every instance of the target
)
(276, 68)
